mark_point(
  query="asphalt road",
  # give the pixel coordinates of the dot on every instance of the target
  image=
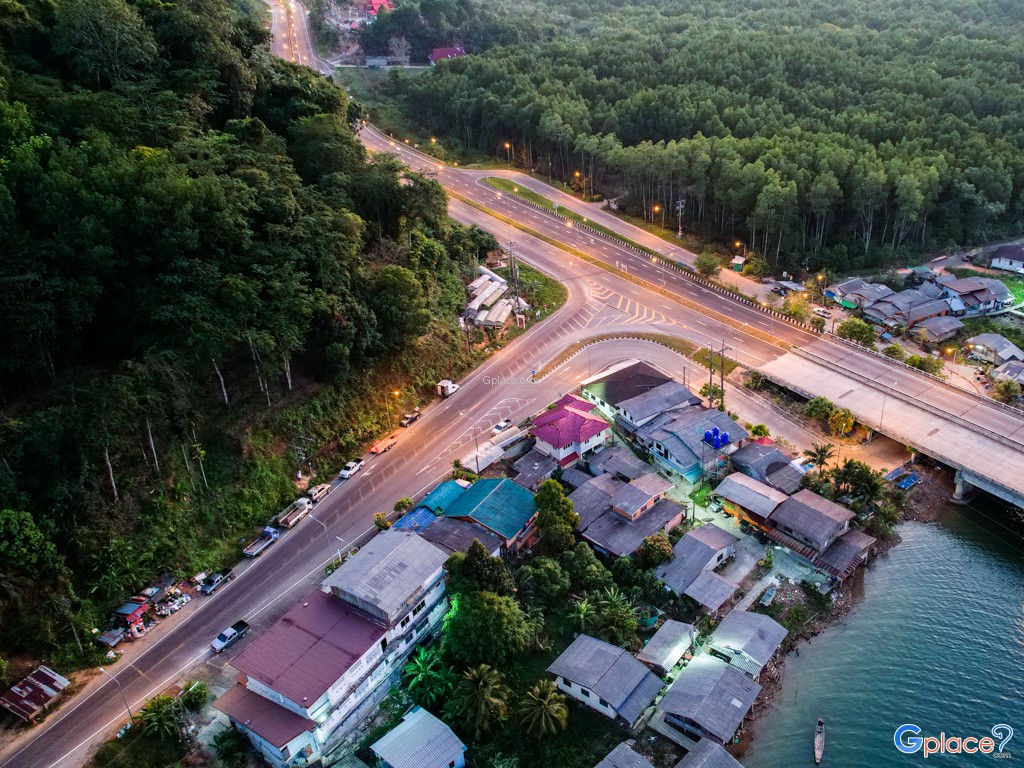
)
(291, 39)
(600, 301)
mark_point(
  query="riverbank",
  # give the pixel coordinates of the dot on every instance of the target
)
(871, 671)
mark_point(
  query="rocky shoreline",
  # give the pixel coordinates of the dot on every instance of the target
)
(923, 504)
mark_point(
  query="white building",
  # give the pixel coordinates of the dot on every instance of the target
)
(569, 431)
(327, 663)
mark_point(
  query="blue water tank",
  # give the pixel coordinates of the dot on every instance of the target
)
(725, 438)
(714, 431)
(707, 436)
(718, 441)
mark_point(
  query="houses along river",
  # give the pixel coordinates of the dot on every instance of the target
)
(937, 640)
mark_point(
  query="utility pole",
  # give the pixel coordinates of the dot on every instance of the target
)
(721, 399)
(680, 205)
(513, 271)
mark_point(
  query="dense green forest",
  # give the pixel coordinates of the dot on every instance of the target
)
(822, 133)
(204, 281)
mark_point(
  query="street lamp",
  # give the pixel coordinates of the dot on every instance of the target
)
(347, 544)
(387, 403)
(770, 315)
(508, 152)
(885, 397)
(738, 244)
(327, 538)
(131, 717)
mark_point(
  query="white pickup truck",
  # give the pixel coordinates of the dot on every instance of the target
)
(230, 636)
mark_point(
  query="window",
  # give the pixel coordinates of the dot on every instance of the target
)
(585, 692)
(604, 703)
(419, 607)
(406, 620)
(384, 644)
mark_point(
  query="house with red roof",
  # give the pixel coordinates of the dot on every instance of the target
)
(373, 7)
(311, 677)
(569, 431)
(440, 54)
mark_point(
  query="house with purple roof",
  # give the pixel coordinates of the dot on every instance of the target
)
(570, 430)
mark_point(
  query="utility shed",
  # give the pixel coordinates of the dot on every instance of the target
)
(420, 741)
(664, 650)
(33, 693)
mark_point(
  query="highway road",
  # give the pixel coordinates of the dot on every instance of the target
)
(600, 301)
(291, 39)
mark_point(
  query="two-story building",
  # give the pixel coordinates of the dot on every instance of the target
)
(616, 516)
(709, 699)
(569, 431)
(993, 348)
(633, 392)
(316, 673)
(675, 440)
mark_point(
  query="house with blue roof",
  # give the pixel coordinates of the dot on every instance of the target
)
(502, 507)
(442, 497)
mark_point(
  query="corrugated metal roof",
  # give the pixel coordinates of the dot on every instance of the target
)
(416, 521)
(618, 460)
(575, 477)
(388, 571)
(442, 497)
(497, 504)
(271, 722)
(711, 590)
(623, 756)
(667, 646)
(750, 494)
(754, 634)
(565, 425)
(610, 673)
(842, 552)
(625, 381)
(35, 691)
(621, 536)
(682, 432)
(813, 517)
(664, 397)
(309, 648)
(692, 554)
(454, 535)
(593, 498)
(711, 694)
(707, 754)
(533, 469)
(419, 741)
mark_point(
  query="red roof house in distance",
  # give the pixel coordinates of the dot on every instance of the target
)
(33, 693)
(570, 431)
(373, 6)
(439, 54)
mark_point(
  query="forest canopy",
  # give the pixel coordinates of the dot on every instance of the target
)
(202, 271)
(825, 134)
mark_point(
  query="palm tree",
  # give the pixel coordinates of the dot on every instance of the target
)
(617, 616)
(543, 711)
(162, 716)
(428, 680)
(582, 614)
(456, 467)
(231, 747)
(820, 454)
(482, 698)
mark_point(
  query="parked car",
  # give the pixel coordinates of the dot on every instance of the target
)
(501, 426)
(350, 469)
(318, 492)
(230, 636)
(215, 581)
(297, 510)
(410, 418)
(822, 312)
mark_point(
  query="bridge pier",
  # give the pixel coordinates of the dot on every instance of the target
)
(963, 488)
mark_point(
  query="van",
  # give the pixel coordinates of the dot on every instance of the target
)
(318, 492)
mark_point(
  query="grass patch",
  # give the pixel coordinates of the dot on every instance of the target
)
(701, 496)
(138, 750)
(507, 185)
(683, 347)
(705, 356)
(544, 295)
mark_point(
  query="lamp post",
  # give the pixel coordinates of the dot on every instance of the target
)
(387, 403)
(764, 304)
(885, 397)
(348, 546)
(656, 209)
(327, 537)
(131, 717)
(508, 152)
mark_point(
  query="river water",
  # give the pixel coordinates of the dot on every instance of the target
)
(937, 640)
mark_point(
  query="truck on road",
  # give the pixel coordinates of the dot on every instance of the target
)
(384, 445)
(258, 547)
(297, 510)
(230, 636)
(447, 388)
(215, 581)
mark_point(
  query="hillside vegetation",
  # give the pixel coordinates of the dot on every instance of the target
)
(824, 134)
(205, 281)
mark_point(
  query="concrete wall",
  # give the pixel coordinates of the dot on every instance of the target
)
(586, 696)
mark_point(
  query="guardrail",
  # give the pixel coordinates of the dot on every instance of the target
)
(684, 269)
